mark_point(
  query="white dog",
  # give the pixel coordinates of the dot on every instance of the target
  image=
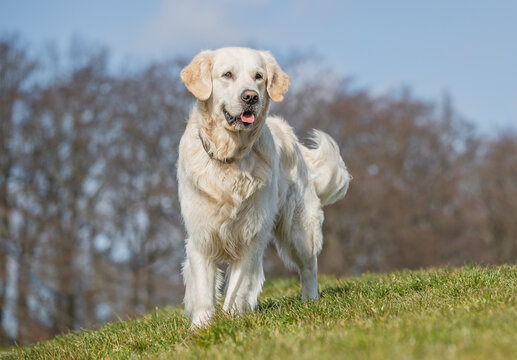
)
(245, 179)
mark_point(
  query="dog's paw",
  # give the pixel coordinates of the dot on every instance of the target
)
(310, 296)
(201, 319)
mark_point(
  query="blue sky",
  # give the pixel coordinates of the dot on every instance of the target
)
(467, 48)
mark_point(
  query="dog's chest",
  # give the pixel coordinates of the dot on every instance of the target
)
(242, 208)
(238, 193)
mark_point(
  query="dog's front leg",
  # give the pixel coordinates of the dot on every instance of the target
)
(245, 281)
(199, 274)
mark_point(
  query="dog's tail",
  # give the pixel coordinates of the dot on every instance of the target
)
(326, 167)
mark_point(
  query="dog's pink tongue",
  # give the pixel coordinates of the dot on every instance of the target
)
(248, 117)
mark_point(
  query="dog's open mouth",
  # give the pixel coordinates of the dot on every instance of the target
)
(243, 120)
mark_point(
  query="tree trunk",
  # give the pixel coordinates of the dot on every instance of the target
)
(66, 314)
(22, 309)
(150, 289)
(66, 311)
(4, 339)
(4, 238)
(135, 296)
(88, 293)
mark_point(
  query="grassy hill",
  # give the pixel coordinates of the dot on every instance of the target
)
(466, 313)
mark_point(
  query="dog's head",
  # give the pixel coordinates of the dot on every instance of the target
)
(236, 84)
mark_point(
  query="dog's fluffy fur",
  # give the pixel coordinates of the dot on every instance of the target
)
(245, 179)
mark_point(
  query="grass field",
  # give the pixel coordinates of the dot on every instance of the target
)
(465, 313)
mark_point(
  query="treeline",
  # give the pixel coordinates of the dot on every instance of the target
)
(90, 227)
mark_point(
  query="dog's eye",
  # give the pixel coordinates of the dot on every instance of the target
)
(228, 75)
(258, 76)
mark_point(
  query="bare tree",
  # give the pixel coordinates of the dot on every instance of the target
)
(16, 67)
(151, 118)
(498, 194)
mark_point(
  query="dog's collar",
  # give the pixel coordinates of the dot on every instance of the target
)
(210, 153)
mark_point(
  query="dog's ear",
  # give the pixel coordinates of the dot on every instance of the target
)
(277, 81)
(197, 75)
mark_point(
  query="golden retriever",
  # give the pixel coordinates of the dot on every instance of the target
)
(244, 179)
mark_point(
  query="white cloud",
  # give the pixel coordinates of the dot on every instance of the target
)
(191, 25)
(513, 112)
(386, 87)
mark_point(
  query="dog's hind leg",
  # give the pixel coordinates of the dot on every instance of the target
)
(299, 245)
(199, 274)
(297, 254)
(309, 278)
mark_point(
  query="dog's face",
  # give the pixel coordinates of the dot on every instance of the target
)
(236, 84)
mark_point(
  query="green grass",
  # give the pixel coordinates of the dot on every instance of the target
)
(466, 313)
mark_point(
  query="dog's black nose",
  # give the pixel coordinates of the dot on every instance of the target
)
(250, 97)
